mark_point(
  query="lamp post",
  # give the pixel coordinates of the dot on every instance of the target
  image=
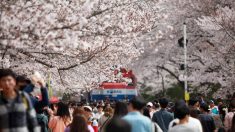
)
(186, 94)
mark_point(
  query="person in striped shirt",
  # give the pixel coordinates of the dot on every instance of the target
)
(16, 111)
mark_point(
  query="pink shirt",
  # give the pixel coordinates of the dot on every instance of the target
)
(56, 124)
(228, 120)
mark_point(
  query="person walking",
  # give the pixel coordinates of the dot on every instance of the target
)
(17, 113)
(138, 122)
(163, 117)
(192, 122)
(99, 113)
(118, 125)
(79, 112)
(61, 119)
(194, 107)
(120, 110)
(108, 114)
(146, 112)
(214, 108)
(229, 116)
(232, 128)
(150, 109)
(206, 119)
(26, 85)
(182, 113)
(79, 124)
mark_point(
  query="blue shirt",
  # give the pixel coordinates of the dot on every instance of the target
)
(138, 122)
(215, 110)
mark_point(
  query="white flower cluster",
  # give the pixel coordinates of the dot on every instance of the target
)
(76, 41)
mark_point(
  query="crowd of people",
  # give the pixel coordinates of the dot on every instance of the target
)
(21, 110)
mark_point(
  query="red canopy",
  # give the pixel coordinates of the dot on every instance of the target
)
(115, 86)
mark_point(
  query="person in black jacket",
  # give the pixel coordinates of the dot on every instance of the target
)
(163, 117)
(24, 84)
(207, 121)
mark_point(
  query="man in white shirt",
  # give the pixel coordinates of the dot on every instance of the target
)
(184, 123)
(193, 122)
(99, 112)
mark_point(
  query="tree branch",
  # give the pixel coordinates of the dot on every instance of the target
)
(4, 53)
(171, 73)
(95, 13)
(85, 61)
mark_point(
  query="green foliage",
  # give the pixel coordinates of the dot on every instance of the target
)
(67, 96)
(148, 97)
(212, 88)
(144, 92)
(175, 92)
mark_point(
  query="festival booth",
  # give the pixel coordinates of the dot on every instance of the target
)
(113, 91)
(116, 90)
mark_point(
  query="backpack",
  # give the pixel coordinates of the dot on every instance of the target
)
(25, 100)
(43, 121)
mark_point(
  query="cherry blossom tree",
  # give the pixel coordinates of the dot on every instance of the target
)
(75, 41)
(210, 27)
(218, 20)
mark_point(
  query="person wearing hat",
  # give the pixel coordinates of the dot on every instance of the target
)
(89, 115)
(150, 109)
(88, 111)
(206, 119)
(214, 108)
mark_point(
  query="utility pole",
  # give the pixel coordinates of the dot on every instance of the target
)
(186, 94)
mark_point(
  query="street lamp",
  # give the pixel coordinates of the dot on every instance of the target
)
(183, 43)
(186, 94)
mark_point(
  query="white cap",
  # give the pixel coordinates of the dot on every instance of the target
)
(150, 104)
(88, 107)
